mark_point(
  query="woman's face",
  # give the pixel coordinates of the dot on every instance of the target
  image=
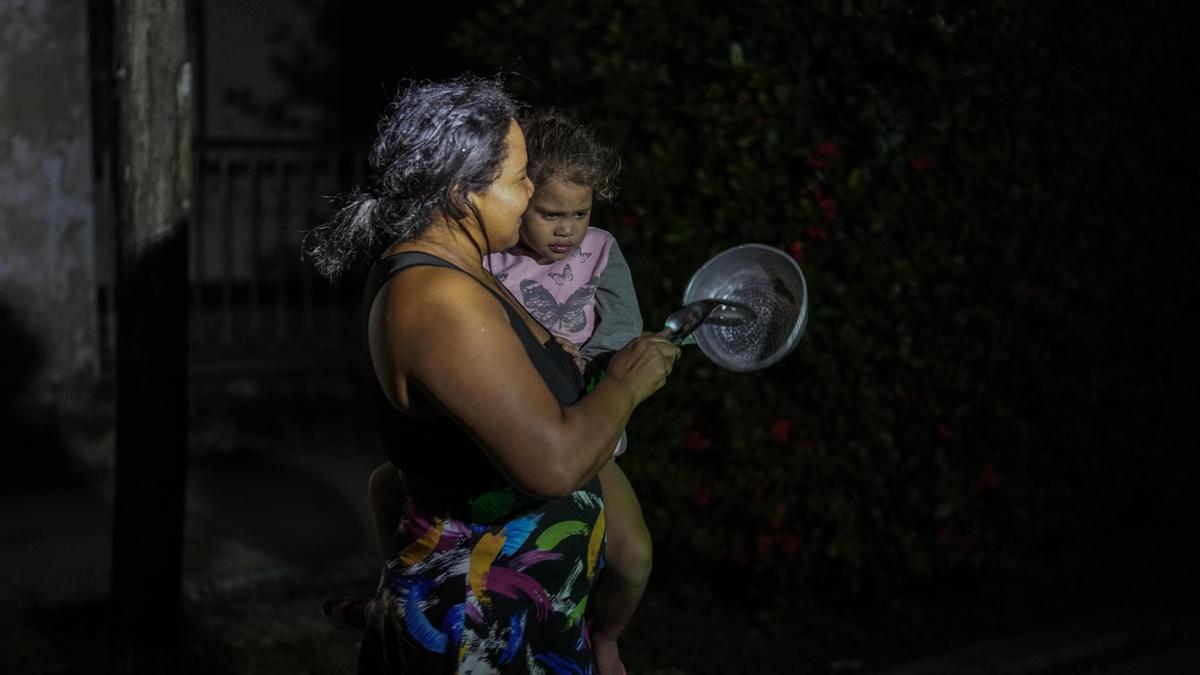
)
(503, 202)
(556, 220)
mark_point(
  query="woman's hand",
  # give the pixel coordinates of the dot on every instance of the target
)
(644, 364)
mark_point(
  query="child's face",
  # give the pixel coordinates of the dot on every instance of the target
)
(556, 220)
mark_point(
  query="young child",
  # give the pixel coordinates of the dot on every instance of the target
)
(573, 279)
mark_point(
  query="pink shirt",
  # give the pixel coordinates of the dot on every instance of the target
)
(561, 295)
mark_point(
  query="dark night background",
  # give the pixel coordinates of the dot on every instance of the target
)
(986, 437)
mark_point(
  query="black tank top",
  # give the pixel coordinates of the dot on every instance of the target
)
(442, 466)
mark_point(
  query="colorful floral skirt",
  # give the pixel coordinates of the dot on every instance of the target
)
(502, 590)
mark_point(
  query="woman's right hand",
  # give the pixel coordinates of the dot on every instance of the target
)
(644, 364)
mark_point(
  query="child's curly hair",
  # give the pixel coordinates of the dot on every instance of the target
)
(559, 147)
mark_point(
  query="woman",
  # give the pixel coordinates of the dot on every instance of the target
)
(480, 408)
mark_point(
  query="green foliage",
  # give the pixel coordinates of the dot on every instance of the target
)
(944, 173)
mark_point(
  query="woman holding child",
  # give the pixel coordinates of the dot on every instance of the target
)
(481, 409)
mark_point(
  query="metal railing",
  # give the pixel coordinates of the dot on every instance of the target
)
(255, 302)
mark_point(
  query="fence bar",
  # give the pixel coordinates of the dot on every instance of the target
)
(255, 172)
(247, 268)
(306, 281)
(227, 184)
(282, 227)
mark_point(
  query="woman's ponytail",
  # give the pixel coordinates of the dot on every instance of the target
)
(351, 232)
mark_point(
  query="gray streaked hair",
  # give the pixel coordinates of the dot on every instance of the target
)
(437, 143)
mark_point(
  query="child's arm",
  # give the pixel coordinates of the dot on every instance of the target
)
(572, 351)
(619, 319)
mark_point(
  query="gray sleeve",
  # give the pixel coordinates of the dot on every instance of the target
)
(618, 317)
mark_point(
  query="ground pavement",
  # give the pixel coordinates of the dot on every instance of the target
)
(290, 523)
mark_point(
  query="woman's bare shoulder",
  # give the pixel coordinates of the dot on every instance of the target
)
(432, 285)
(437, 300)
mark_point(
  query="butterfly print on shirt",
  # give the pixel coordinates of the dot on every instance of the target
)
(569, 315)
(581, 254)
(560, 277)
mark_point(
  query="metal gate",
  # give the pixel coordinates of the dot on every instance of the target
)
(256, 304)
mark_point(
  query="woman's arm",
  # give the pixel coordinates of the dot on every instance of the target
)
(441, 331)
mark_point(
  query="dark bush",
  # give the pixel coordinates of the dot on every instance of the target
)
(986, 201)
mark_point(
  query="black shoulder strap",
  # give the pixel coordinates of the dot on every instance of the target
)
(559, 367)
(386, 268)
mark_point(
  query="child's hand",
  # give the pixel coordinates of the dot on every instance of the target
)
(570, 348)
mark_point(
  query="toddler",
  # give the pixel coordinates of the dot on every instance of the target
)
(573, 279)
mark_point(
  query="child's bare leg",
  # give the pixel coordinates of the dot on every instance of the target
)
(385, 491)
(624, 578)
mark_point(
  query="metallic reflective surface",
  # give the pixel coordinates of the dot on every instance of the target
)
(684, 321)
(768, 282)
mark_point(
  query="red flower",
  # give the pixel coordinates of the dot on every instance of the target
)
(763, 544)
(923, 162)
(804, 445)
(629, 219)
(697, 441)
(944, 431)
(1032, 291)
(796, 250)
(988, 478)
(948, 537)
(817, 233)
(829, 207)
(816, 163)
(827, 149)
(820, 159)
(790, 543)
(781, 430)
(827, 204)
(702, 496)
(911, 397)
(759, 120)
(951, 539)
(777, 517)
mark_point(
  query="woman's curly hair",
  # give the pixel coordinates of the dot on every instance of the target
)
(559, 147)
(438, 142)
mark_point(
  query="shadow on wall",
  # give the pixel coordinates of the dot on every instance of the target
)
(35, 453)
